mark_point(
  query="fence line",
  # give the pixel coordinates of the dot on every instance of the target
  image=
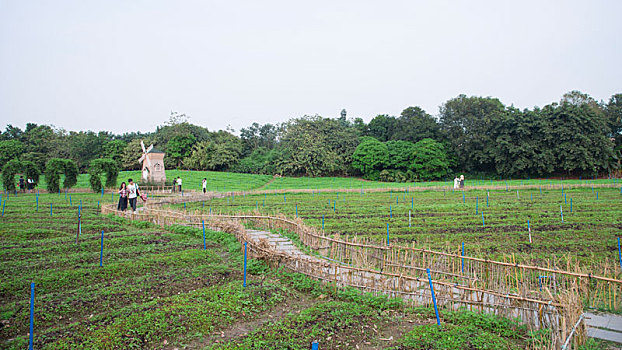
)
(380, 270)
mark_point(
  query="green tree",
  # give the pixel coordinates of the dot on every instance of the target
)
(522, 144)
(578, 137)
(114, 150)
(221, 152)
(430, 160)
(31, 170)
(258, 136)
(414, 124)
(370, 157)
(382, 127)
(468, 122)
(97, 168)
(9, 170)
(613, 113)
(10, 149)
(56, 167)
(179, 147)
(400, 155)
(316, 146)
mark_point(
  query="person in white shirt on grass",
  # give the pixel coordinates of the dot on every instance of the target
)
(179, 183)
(132, 193)
(204, 185)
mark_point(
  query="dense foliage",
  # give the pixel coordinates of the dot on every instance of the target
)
(97, 168)
(56, 167)
(575, 136)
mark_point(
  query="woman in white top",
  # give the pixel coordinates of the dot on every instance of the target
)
(204, 185)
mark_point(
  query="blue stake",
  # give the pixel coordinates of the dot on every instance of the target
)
(315, 346)
(37, 203)
(596, 195)
(483, 222)
(463, 258)
(50, 209)
(463, 199)
(101, 252)
(387, 234)
(204, 246)
(619, 253)
(390, 212)
(3, 204)
(70, 200)
(561, 213)
(565, 201)
(487, 194)
(244, 285)
(438, 319)
(412, 201)
(322, 222)
(296, 210)
(32, 316)
(476, 204)
(571, 205)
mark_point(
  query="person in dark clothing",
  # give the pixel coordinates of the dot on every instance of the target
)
(22, 185)
(122, 197)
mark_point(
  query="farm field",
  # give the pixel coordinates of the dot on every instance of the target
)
(493, 224)
(158, 288)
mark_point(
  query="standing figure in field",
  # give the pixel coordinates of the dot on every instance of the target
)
(461, 181)
(204, 185)
(179, 183)
(22, 185)
(132, 193)
(456, 182)
(122, 206)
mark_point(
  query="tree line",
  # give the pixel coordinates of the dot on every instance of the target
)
(476, 135)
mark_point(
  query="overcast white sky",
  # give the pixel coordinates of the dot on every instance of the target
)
(125, 65)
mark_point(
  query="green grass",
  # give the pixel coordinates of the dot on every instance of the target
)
(191, 180)
(285, 183)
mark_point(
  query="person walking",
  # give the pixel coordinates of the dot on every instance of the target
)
(461, 181)
(22, 185)
(456, 182)
(122, 206)
(204, 185)
(132, 193)
(179, 183)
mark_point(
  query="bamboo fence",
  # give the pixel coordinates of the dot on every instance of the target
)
(502, 288)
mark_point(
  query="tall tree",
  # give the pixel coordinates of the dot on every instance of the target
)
(370, 157)
(382, 127)
(468, 122)
(414, 125)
